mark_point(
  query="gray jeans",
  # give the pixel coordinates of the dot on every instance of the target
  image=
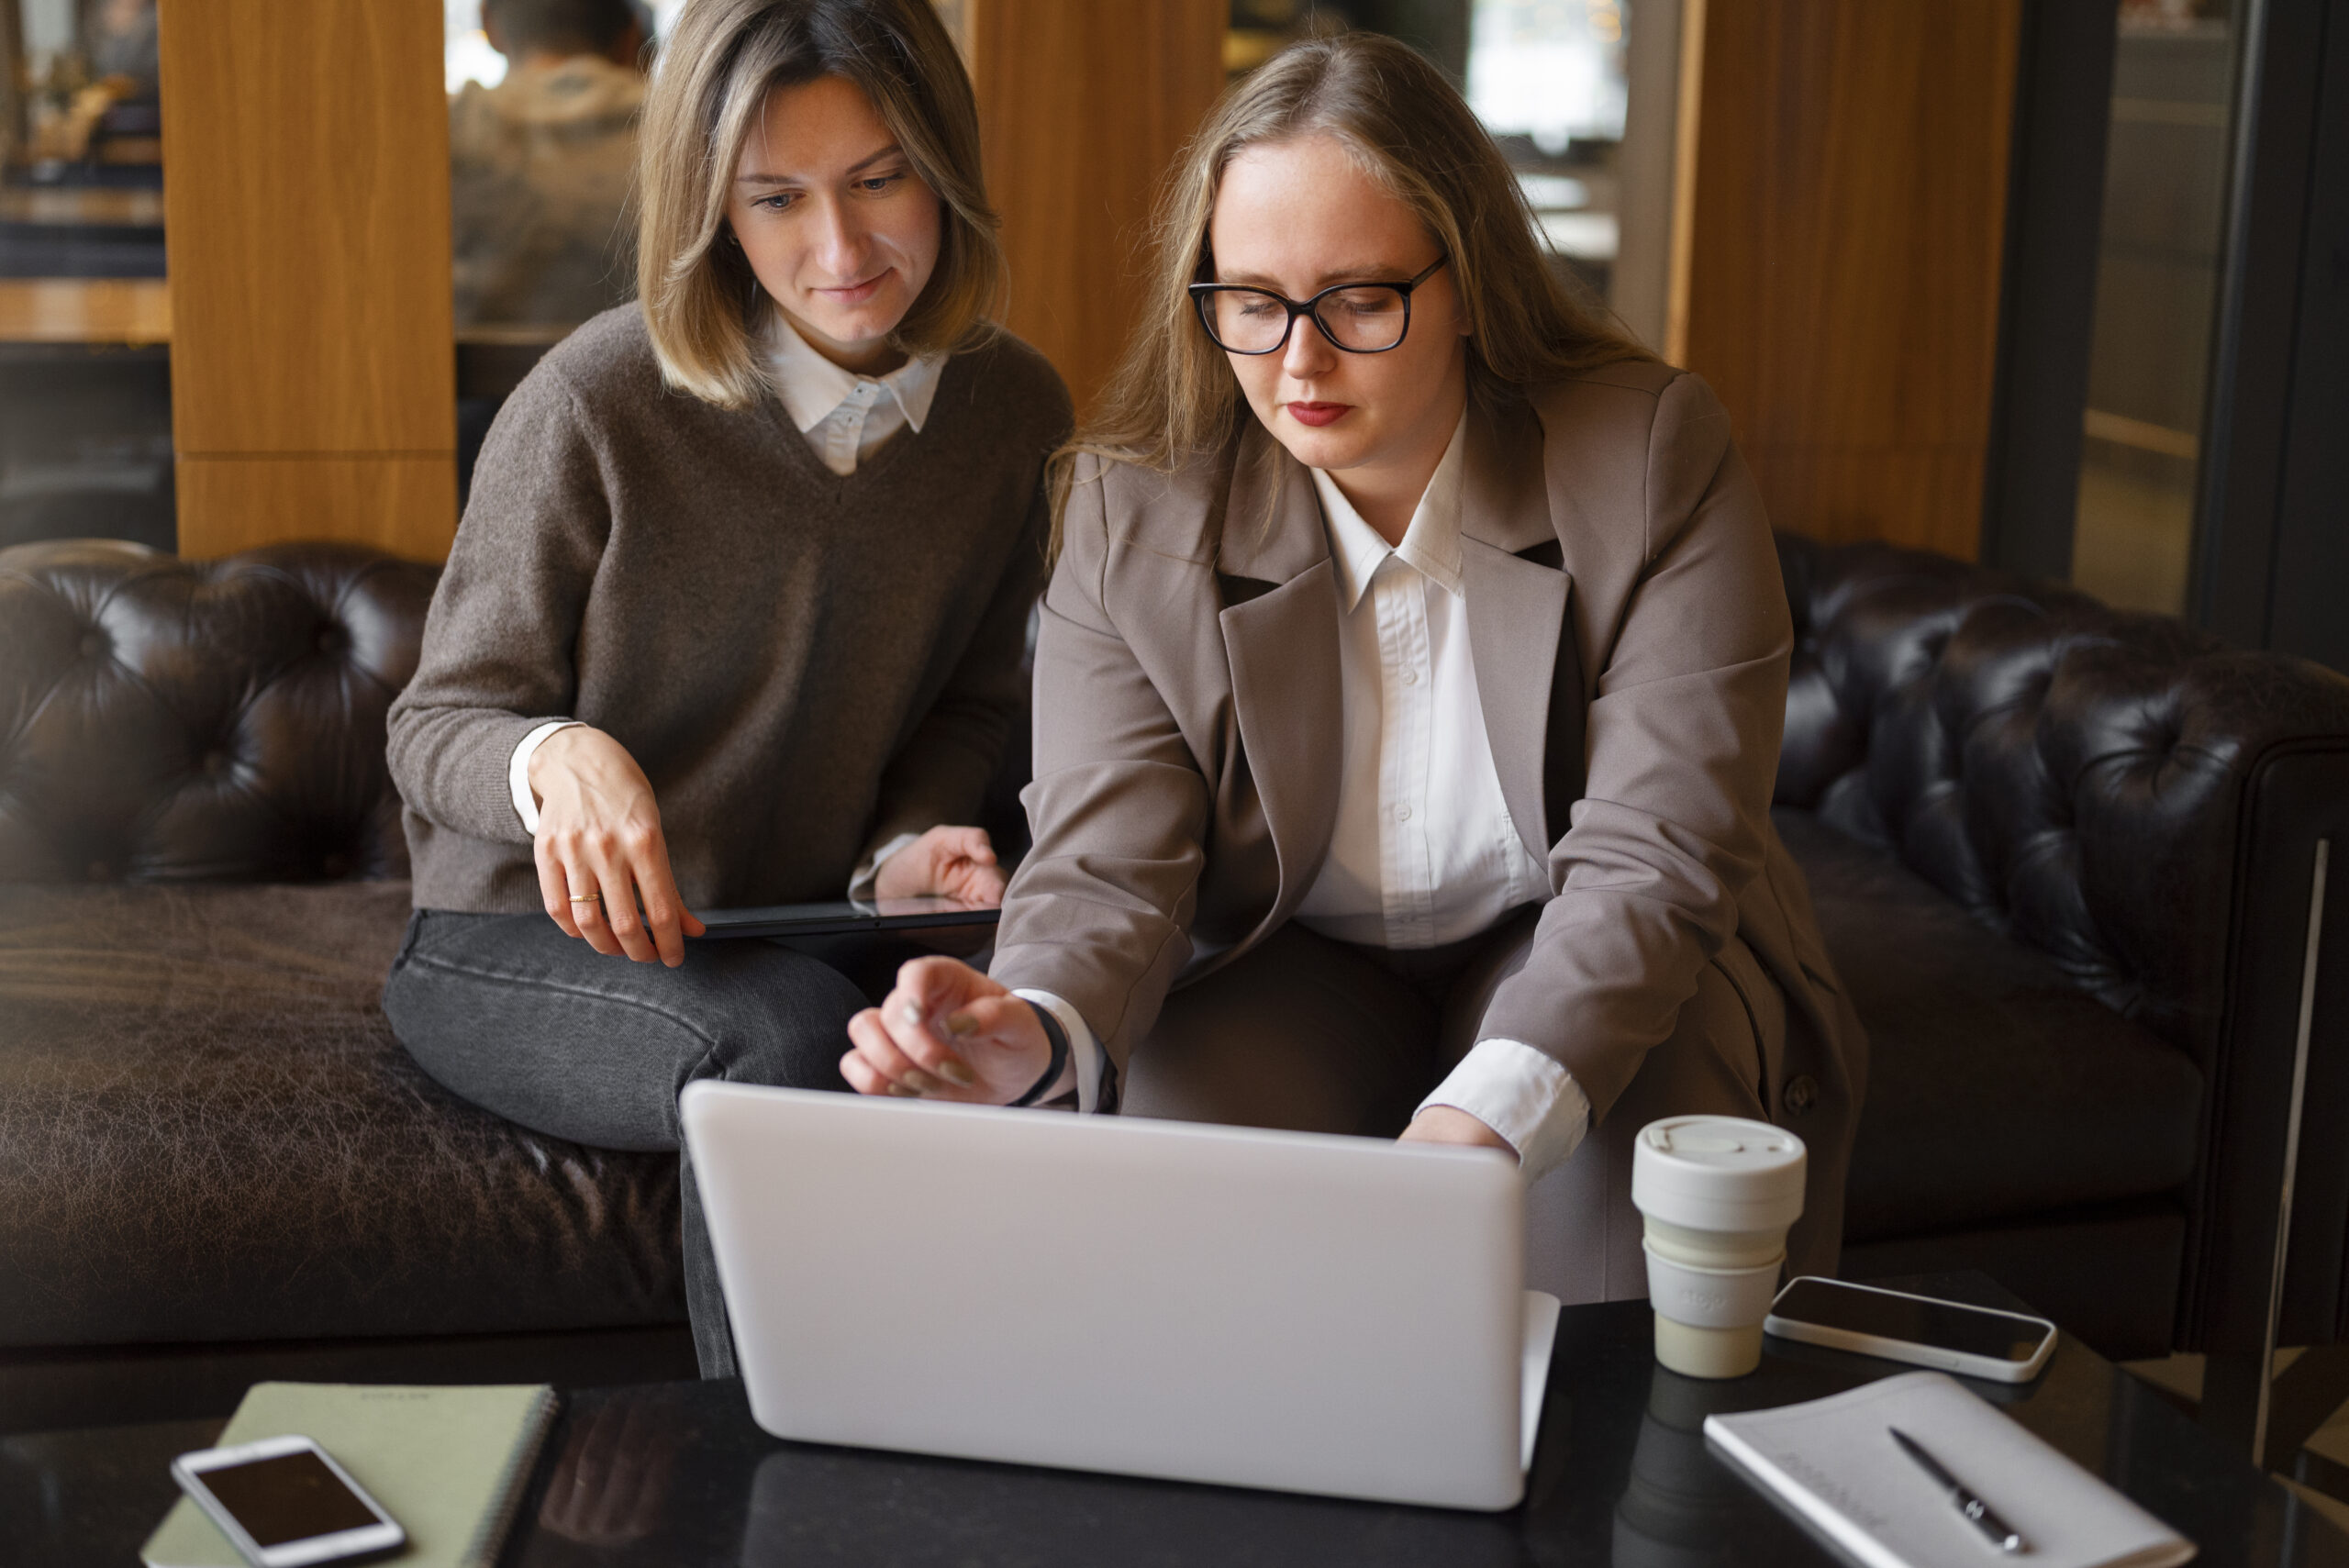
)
(538, 1027)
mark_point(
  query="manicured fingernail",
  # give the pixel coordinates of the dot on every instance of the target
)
(961, 1024)
(903, 1092)
(920, 1080)
(956, 1073)
(909, 1013)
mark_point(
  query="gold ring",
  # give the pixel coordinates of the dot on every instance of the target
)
(586, 899)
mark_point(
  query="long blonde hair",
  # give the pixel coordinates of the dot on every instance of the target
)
(1174, 396)
(701, 301)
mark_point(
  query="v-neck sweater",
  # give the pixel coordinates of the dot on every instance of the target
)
(804, 664)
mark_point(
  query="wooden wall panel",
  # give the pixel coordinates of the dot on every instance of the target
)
(1083, 108)
(372, 499)
(1844, 234)
(307, 216)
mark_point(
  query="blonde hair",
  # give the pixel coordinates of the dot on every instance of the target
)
(1174, 396)
(700, 300)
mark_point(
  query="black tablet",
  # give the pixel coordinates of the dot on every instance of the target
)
(845, 915)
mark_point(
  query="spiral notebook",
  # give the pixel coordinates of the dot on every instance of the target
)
(1833, 1464)
(449, 1463)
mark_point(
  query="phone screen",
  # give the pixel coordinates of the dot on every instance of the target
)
(1944, 1325)
(291, 1497)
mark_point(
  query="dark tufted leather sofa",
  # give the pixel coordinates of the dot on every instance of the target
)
(207, 1133)
(2063, 857)
(2068, 860)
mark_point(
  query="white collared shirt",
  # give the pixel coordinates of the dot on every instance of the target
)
(846, 417)
(1424, 851)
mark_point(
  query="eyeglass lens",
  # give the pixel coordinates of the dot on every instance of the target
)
(1369, 318)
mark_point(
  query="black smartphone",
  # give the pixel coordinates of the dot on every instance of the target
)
(2006, 1347)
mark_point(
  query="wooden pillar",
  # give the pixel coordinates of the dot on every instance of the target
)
(306, 216)
(1843, 235)
(1082, 108)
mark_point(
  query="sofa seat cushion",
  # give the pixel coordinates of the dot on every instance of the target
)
(208, 1132)
(1995, 1086)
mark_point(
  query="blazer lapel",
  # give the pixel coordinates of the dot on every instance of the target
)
(1529, 679)
(1280, 636)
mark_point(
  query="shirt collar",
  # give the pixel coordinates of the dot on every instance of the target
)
(1431, 545)
(811, 386)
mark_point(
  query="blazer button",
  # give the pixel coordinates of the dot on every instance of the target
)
(1802, 1092)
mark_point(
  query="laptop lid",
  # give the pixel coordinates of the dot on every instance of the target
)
(1339, 1316)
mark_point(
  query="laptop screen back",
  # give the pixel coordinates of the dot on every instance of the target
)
(1316, 1314)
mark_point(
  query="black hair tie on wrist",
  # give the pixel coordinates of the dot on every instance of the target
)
(1059, 1037)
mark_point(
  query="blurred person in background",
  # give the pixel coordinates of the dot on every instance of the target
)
(121, 35)
(540, 165)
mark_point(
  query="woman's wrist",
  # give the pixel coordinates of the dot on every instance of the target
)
(551, 753)
(1058, 1066)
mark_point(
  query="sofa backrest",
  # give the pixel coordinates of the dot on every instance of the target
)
(2072, 775)
(169, 720)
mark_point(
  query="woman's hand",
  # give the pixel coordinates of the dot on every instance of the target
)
(599, 832)
(951, 862)
(1446, 1124)
(947, 1032)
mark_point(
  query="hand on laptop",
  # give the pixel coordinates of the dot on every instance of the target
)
(600, 852)
(946, 862)
(947, 1032)
(1446, 1124)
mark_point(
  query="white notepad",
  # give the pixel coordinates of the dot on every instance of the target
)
(1835, 1462)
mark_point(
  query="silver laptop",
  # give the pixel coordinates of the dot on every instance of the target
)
(1340, 1315)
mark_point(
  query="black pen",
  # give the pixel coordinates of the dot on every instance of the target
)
(2002, 1535)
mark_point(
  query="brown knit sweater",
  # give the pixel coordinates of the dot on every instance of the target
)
(804, 665)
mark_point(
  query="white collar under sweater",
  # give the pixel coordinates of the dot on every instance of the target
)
(846, 417)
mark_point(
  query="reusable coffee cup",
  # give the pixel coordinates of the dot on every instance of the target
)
(1717, 1193)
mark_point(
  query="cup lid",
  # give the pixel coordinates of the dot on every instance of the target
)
(1719, 1173)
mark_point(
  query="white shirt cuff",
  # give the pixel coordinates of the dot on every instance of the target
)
(517, 772)
(1522, 1095)
(860, 886)
(1082, 1048)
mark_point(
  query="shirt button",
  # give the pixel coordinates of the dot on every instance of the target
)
(1402, 814)
(1410, 677)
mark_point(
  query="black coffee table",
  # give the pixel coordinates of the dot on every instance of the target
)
(675, 1474)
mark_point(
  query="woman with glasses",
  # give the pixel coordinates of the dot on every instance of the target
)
(1409, 700)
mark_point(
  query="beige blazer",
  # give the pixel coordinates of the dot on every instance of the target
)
(1631, 636)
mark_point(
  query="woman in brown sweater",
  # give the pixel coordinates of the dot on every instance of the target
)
(736, 612)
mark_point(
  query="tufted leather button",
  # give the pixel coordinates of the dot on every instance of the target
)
(1802, 1092)
(333, 639)
(95, 645)
(216, 761)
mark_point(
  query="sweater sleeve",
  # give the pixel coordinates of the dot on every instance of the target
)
(498, 655)
(939, 775)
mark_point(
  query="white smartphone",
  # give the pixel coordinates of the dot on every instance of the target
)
(284, 1503)
(2004, 1347)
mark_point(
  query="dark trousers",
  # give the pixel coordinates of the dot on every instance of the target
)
(1320, 1036)
(538, 1027)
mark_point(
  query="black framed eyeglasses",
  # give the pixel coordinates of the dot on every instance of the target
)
(1361, 318)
